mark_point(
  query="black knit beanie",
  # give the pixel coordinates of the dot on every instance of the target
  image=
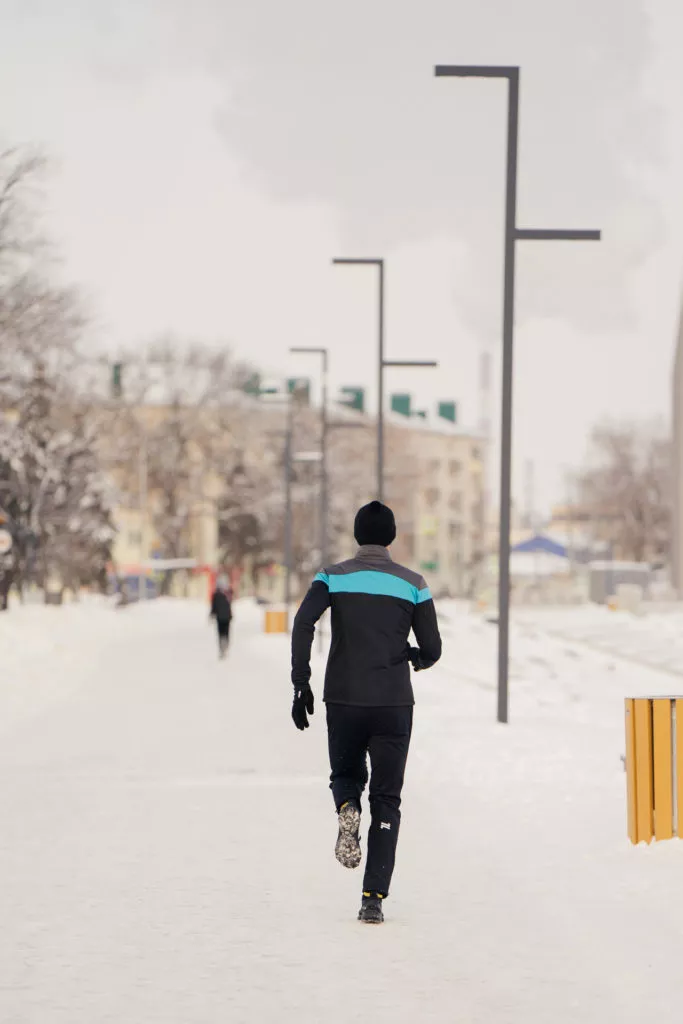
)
(375, 524)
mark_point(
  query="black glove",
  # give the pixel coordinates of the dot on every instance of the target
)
(303, 702)
(415, 659)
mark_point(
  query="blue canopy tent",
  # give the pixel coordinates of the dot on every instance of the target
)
(540, 544)
(539, 556)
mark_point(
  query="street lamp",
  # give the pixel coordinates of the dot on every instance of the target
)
(326, 426)
(324, 484)
(143, 482)
(513, 234)
(288, 504)
(381, 361)
(289, 459)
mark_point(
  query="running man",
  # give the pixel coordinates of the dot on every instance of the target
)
(375, 603)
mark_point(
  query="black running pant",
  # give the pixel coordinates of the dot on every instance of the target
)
(384, 734)
(223, 627)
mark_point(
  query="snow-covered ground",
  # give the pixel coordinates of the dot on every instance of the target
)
(654, 640)
(166, 834)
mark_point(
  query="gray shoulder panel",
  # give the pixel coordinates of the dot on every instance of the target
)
(392, 568)
(342, 568)
(406, 574)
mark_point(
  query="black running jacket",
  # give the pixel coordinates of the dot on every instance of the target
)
(221, 608)
(375, 603)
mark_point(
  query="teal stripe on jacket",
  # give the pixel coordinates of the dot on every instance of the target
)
(367, 581)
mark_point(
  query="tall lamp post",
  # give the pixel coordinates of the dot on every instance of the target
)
(326, 427)
(324, 481)
(513, 234)
(288, 505)
(143, 482)
(382, 363)
(288, 400)
(290, 457)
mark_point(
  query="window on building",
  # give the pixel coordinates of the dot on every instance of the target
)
(455, 501)
(455, 531)
(134, 537)
(455, 467)
(408, 545)
(432, 496)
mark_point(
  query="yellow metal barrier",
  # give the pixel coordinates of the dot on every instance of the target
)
(276, 621)
(654, 767)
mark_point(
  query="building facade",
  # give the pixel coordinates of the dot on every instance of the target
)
(436, 485)
(434, 480)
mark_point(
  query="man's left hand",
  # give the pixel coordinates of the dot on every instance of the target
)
(303, 703)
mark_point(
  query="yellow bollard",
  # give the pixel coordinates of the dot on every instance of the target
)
(276, 621)
(654, 767)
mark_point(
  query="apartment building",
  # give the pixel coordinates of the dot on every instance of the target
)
(435, 482)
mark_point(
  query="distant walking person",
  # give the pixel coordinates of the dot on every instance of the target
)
(221, 611)
(375, 603)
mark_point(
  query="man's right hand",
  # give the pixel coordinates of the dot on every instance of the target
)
(303, 703)
(415, 659)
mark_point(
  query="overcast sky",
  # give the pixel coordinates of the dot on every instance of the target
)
(210, 158)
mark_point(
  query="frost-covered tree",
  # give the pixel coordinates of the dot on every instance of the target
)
(49, 472)
(77, 531)
(54, 492)
(40, 319)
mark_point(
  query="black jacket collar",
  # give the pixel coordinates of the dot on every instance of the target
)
(373, 553)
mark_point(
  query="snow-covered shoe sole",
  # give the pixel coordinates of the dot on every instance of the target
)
(347, 850)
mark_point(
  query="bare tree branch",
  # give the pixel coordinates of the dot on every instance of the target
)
(625, 490)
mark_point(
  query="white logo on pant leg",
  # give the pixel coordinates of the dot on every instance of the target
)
(385, 824)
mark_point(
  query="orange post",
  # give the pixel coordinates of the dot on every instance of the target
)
(276, 621)
(663, 768)
(654, 768)
(644, 772)
(632, 807)
(678, 767)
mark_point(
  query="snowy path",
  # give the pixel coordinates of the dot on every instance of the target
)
(166, 842)
(623, 635)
